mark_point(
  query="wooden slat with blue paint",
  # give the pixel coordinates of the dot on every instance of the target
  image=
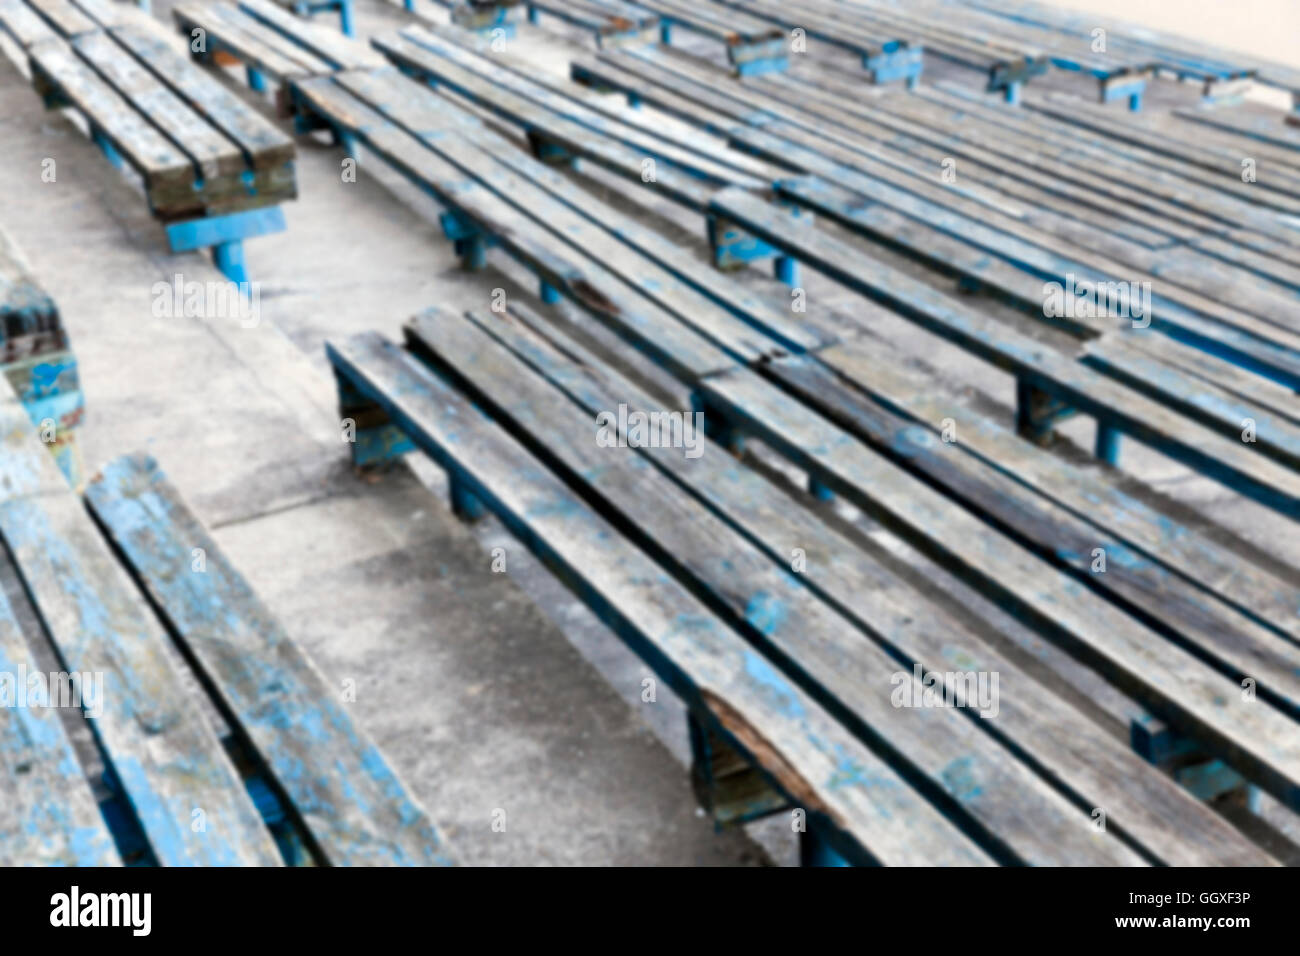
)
(23, 24)
(1050, 202)
(173, 772)
(1192, 298)
(687, 139)
(1265, 129)
(48, 815)
(1212, 406)
(167, 171)
(1004, 803)
(873, 813)
(1252, 343)
(324, 42)
(710, 303)
(265, 147)
(1142, 586)
(352, 803)
(882, 372)
(29, 319)
(667, 341)
(1090, 764)
(1256, 739)
(229, 30)
(1131, 412)
(560, 119)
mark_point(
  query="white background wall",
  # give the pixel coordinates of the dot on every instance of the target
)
(1265, 28)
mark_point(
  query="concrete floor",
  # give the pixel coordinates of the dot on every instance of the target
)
(487, 691)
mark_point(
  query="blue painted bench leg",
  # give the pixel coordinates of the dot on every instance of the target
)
(473, 253)
(786, 269)
(100, 140)
(1013, 93)
(532, 14)
(716, 425)
(375, 441)
(818, 490)
(256, 81)
(1038, 413)
(1108, 443)
(815, 851)
(634, 99)
(549, 294)
(345, 17)
(665, 32)
(410, 5)
(229, 260)
(464, 503)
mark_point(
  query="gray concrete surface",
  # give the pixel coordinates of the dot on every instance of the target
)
(488, 691)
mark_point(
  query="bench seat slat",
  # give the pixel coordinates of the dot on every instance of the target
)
(23, 24)
(163, 166)
(48, 815)
(172, 770)
(213, 155)
(265, 147)
(353, 804)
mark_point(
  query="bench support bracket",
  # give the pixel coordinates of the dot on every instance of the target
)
(225, 236)
(727, 786)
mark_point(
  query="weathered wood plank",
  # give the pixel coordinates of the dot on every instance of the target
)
(353, 804)
(64, 16)
(264, 146)
(166, 170)
(23, 24)
(324, 42)
(172, 770)
(585, 223)
(231, 30)
(1254, 738)
(669, 342)
(48, 815)
(212, 154)
(815, 762)
(1129, 411)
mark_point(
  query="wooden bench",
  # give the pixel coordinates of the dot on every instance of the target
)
(37, 359)
(561, 127)
(1010, 52)
(886, 54)
(497, 400)
(613, 24)
(213, 170)
(293, 780)
(305, 8)
(490, 17)
(579, 247)
(753, 45)
(1178, 56)
(271, 44)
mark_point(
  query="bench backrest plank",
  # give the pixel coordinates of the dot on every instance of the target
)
(354, 806)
